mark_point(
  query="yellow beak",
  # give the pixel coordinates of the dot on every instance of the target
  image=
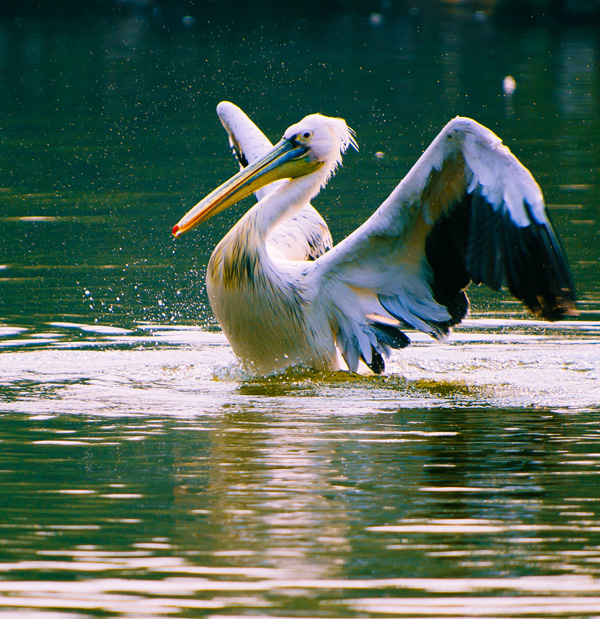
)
(286, 160)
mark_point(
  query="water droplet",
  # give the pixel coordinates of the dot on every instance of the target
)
(188, 21)
(509, 85)
(375, 19)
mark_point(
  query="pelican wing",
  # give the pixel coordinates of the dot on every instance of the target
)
(305, 235)
(467, 211)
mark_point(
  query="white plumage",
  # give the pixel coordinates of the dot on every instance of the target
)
(467, 211)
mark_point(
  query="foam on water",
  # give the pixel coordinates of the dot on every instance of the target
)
(90, 368)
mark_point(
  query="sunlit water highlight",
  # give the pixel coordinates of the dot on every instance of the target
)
(146, 474)
(500, 363)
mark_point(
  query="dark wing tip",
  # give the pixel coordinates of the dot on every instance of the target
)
(445, 250)
(377, 365)
(563, 307)
(237, 151)
(537, 271)
(475, 241)
(390, 335)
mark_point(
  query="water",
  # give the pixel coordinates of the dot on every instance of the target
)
(143, 473)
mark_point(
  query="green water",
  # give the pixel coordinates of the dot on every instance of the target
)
(143, 473)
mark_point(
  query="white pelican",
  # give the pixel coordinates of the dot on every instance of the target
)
(467, 211)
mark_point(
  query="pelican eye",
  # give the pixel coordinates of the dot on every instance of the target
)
(304, 137)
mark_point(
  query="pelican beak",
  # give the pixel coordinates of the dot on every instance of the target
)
(288, 159)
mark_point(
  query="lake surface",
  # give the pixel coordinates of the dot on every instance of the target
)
(143, 473)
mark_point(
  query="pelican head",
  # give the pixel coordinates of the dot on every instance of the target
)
(315, 144)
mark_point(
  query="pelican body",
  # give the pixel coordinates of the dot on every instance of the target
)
(467, 211)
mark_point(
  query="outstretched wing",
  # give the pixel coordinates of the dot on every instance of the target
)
(467, 211)
(305, 235)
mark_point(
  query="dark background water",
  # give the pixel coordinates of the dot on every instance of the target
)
(108, 134)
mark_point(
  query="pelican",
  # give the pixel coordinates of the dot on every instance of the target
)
(467, 211)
